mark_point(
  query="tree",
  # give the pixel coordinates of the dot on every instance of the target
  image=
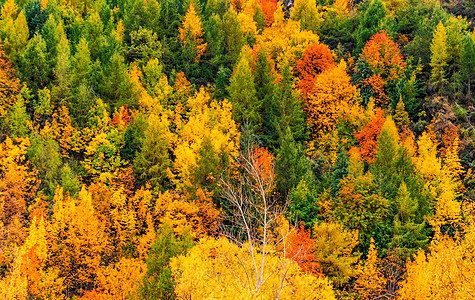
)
(400, 115)
(18, 185)
(78, 241)
(243, 93)
(368, 136)
(157, 282)
(152, 159)
(332, 94)
(371, 282)
(9, 84)
(439, 57)
(220, 268)
(13, 30)
(34, 64)
(316, 59)
(468, 61)
(335, 251)
(444, 271)
(191, 35)
(370, 23)
(307, 13)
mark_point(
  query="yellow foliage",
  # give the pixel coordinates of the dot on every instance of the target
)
(121, 280)
(215, 269)
(427, 161)
(192, 28)
(284, 41)
(199, 216)
(206, 119)
(14, 285)
(333, 250)
(78, 238)
(444, 272)
(332, 94)
(371, 282)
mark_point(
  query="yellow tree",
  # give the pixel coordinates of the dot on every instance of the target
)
(371, 282)
(208, 125)
(18, 186)
(285, 41)
(9, 84)
(78, 240)
(191, 33)
(217, 269)
(445, 271)
(439, 56)
(332, 94)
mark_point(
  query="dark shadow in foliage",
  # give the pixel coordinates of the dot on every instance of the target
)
(35, 17)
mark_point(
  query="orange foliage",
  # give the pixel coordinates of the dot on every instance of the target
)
(316, 59)
(378, 83)
(268, 8)
(383, 56)
(300, 249)
(263, 162)
(368, 136)
(121, 118)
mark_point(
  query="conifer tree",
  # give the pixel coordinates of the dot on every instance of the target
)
(400, 115)
(439, 57)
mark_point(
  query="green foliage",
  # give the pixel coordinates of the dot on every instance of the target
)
(292, 165)
(340, 171)
(34, 64)
(371, 23)
(242, 91)
(152, 161)
(18, 119)
(409, 236)
(158, 282)
(303, 204)
(35, 17)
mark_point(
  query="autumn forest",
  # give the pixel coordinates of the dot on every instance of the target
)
(237, 149)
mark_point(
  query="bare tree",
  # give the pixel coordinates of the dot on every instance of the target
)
(252, 219)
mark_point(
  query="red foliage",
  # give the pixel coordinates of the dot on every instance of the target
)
(268, 8)
(121, 118)
(316, 59)
(368, 136)
(300, 249)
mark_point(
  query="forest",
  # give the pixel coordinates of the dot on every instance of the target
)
(237, 149)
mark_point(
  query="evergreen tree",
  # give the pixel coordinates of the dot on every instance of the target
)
(370, 23)
(292, 165)
(243, 95)
(439, 57)
(340, 171)
(158, 281)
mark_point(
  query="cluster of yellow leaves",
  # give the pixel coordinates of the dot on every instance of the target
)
(17, 187)
(192, 28)
(198, 216)
(371, 282)
(206, 119)
(333, 94)
(13, 29)
(446, 271)
(217, 269)
(284, 40)
(443, 182)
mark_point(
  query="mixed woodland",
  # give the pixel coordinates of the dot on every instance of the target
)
(237, 149)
